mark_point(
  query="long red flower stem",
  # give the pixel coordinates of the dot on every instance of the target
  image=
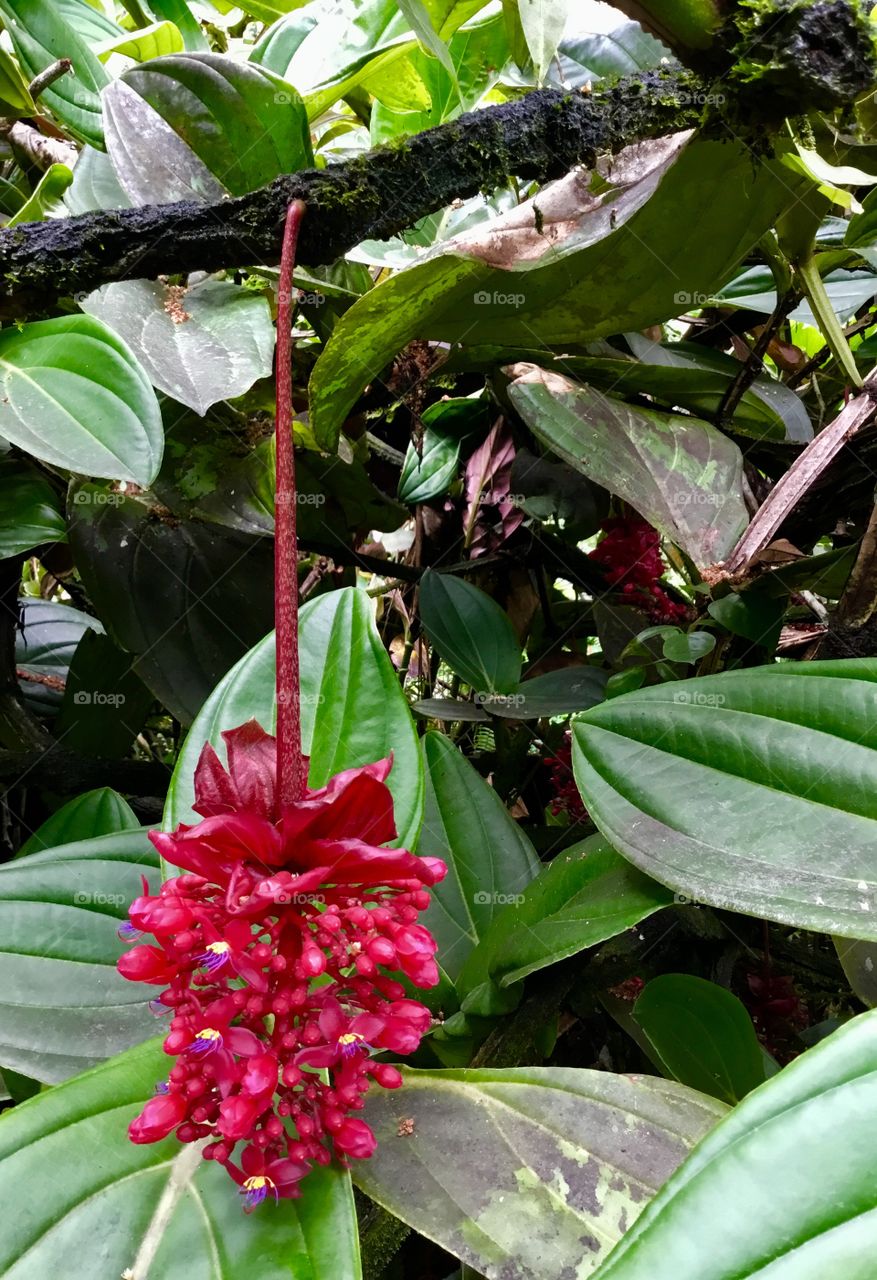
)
(291, 779)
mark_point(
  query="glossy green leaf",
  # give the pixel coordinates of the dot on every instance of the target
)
(623, 50)
(490, 860)
(528, 1172)
(588, 893)
(44, 647)
(555, 693)
(543, 23)
(702, 1035)
(151, 1210)
(245, 123)
(688, 646)
(30, 510)
(681, 474)
(753, 790)
(180, 14)
(451, 709)
(428, 470)
(63, 1006)
(471, 632)
(754, 615)
(73, 395)
(93, 813)
(46, 197)
(87, 19)
(155, 41)
(151, 163)
(616, 263)
(204, 344)
(353, 708)
(40, 35)
(782, 1189)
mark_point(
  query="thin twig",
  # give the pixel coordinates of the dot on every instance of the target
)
(754, 364)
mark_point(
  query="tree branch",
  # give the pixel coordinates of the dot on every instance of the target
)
(541, 136)
(69, 773)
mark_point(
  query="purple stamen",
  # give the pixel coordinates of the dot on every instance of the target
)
(126, 932)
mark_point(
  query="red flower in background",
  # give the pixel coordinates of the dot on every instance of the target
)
(630, 551)
(271, 898)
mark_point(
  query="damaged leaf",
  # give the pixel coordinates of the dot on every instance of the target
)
(681, 474)
(530, 1172)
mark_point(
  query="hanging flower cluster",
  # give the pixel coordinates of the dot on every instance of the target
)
(630, 552)
(274, 947)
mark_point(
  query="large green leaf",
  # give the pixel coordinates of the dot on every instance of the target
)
(754, 790)
(681, 474)
(203, 344)
(611, 263)
(101, 812)
(587, 894)
(40, 36)
(150, 162)
(531, 1173)
(30, 511)
(471, 632)
(490, 860)
(81, 1198)
(702, 1035)
(353, 708)
(245, 123)
(73, 395)
(63, 1007)
(783, 1188)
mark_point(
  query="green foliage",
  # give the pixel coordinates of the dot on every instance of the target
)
(530, 431)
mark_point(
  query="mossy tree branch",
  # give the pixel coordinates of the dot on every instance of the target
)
(541, 136)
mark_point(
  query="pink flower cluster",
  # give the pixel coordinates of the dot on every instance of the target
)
(276, 950)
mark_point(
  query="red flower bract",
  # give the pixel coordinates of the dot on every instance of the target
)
(269, 900)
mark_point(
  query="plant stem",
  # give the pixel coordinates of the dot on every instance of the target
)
(291, 779)
(829, 325)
